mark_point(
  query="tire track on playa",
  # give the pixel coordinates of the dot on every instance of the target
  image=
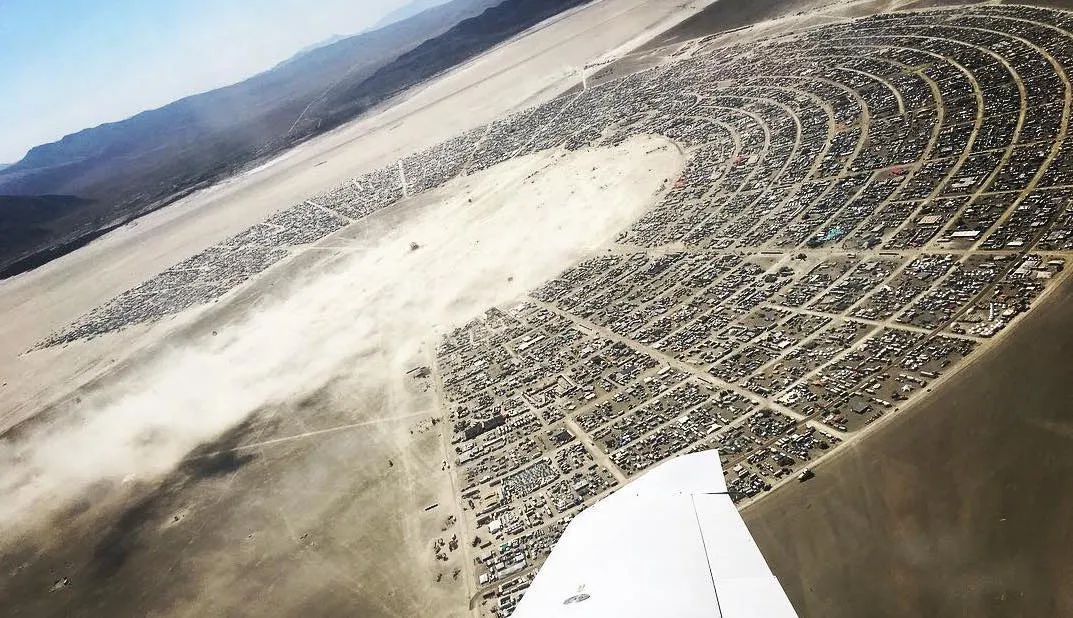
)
(309, 434)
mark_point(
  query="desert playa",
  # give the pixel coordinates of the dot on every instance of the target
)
(205, 439)
(379, 374)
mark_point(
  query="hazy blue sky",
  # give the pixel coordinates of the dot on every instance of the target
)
(70, 64)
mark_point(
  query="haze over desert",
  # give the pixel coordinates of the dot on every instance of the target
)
(380, 373)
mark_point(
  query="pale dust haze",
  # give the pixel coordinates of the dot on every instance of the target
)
(490, 239)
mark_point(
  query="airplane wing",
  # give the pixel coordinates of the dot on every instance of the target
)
(670, 543)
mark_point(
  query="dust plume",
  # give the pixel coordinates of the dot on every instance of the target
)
(496, 236)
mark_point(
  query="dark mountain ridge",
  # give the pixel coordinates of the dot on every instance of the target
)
(466, 40)
(26, 222)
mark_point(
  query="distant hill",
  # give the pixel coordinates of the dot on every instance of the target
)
(197, 138)
(128, 168)
(28, 221)
(125, 169)
(462, 42)
(407, 11)
(335, 38)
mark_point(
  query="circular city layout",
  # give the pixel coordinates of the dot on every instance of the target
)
(863, 206)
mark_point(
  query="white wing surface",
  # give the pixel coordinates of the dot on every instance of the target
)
(670, 544)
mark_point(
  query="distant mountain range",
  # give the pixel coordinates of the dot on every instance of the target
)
(220, 128)
(335, 38)
(403, 12)
(116, 172)
(465, 40)
(407, 11)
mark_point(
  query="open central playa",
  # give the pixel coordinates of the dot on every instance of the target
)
(788, 243)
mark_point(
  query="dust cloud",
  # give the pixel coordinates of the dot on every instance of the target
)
(495, 236)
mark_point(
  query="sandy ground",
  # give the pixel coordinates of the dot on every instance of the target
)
(282, 464)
